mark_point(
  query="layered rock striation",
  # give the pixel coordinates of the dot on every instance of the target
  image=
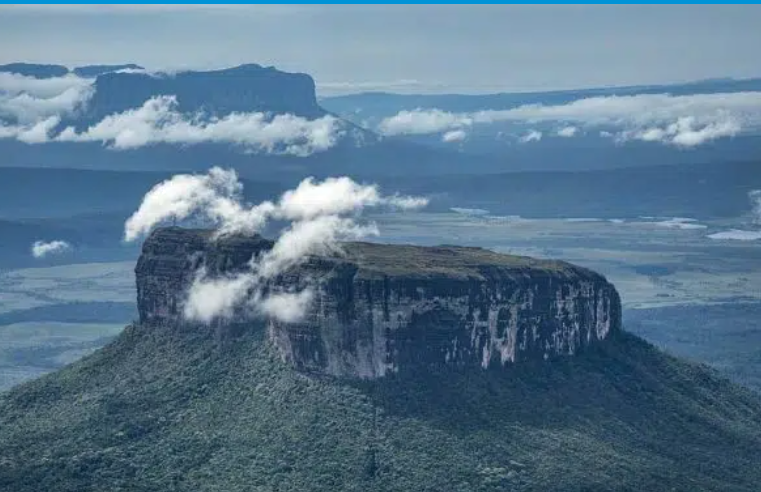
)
(379, 309)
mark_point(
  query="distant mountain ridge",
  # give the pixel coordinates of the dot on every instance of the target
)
(387, 103)
(355, 147)
(45, 71)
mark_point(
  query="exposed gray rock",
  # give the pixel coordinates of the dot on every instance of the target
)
(380, 309)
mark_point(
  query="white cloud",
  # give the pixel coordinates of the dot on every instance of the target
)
(454, 136)
(582, 219)
(26, 109)
(337, 196)
(27, 100)
(41, 249)
(423, 121)
(736, 235)
(685, 132)
(321, 214)
(215, 197)
(12, 84)
(210, 298)
(286, 306)
(470, 211)
(677, 223)
(567, 131)
(38, 132)
(531, 136)
(318, 235)
(158, 121)
(676, 120)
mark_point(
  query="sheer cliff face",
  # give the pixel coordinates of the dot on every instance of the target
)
(380, 309)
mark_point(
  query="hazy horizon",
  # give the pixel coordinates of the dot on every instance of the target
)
(404, 49)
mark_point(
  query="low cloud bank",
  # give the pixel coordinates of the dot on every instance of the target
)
(41, 249)
(31, 110)
(158, 121)
(683, 121)
(319, 216)
(25, 101)
(683, 223)
(736, 235)
(13, 84)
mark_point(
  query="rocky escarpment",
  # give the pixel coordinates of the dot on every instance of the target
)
(243, 89)
(381, 309)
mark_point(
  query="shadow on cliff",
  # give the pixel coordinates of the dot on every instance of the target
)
(625, 384)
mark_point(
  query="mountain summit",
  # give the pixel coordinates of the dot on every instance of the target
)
(171, 405)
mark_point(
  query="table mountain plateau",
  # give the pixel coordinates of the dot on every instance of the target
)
(414, 369)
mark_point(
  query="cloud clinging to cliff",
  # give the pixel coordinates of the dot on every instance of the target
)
(159, 121)
(684, 121)
(26, 102)
(320, 215)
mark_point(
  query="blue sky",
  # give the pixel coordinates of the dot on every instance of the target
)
(404, 48)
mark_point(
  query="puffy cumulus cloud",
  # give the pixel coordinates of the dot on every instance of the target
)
(531, 136)
(41, 249)
(158, 121)
(686, 121)
(454, 136)
(567, 131)
(319, 215)
(337, 196)
(216, 197)
(684, 132)
(423, 121)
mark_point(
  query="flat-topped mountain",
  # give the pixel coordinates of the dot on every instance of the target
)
(242, 89)
(36, 70)
(467, 383)
(385, 308)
